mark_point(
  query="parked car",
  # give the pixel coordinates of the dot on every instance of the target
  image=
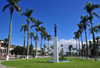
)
(22, 56)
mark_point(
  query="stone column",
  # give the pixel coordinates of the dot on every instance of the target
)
(56, 56)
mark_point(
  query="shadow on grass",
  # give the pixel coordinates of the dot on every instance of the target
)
(43, 62)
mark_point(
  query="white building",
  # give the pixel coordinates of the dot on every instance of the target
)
(3, 50)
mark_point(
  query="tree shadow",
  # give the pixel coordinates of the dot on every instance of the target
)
(43, 62)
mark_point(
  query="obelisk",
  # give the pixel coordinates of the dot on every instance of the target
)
(56, 60)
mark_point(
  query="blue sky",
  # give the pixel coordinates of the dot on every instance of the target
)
(64, 13)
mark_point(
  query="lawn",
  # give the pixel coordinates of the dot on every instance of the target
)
(40, 63)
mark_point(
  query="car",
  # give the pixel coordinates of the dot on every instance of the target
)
(22, 56)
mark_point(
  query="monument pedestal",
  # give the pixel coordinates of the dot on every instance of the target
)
(56, 56)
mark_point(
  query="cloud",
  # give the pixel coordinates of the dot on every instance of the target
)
(66, 44)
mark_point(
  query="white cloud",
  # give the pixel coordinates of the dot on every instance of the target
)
(66, 44)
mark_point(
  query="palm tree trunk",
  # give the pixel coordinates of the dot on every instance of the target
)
(24, 43)
(41, 45)
(36, 44)
(76, 47)
(9, 41)
(48, 46)
(28, 43)
(79, 47)
(31, 46)
(44, 47)
(86, 43)
(93, 40)
(82, 45)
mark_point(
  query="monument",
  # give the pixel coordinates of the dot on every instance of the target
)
(56, 56)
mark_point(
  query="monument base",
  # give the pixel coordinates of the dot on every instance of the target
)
(56, 59)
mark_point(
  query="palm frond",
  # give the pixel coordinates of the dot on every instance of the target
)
(24, 14)
(17, 7)
(95, 14)
(33, 20)
(6, 6)
(32, 26)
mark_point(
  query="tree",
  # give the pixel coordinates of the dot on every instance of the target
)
(29, 14)
(12, 5)
(48, 38)
(70, 47)
(85, 22)
(18, 50)
(52, 47)
(31, 49)
(45, 36)
(31, 46)
(42, 30)
(76, 37)
(24, 28)
(37, 29)
(89, 8)
(98, 27)
(35, 38)
(80, 25)
(44, 46)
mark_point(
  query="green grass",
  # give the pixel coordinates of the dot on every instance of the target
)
(40, 63)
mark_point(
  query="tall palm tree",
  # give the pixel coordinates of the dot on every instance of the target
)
(85, 22)
(45, 36)
(25, 28)
(35, 38)
(70, 47)
(97, 38)
(37, 29)
(80, 25)
(52, 47)
(12, 5)
(28, 14)
(98, 27)
(89, 8)
(31, 36)
(48, 38)
(44, 46)
(42, 30)
(76, 37)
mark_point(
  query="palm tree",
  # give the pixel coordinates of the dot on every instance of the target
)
(76, 37)
(37, 29)
(98, 27)
(85, 23)
(29, 14)
(12, 5)
(35, 38)
(70, 47)
(52, 47)
(42, 30)
(44, 46)
(45, 36)
(48, 38)
(89, 8)
(80, 32)
(31, 35)
(97, 38)
(25, 28)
